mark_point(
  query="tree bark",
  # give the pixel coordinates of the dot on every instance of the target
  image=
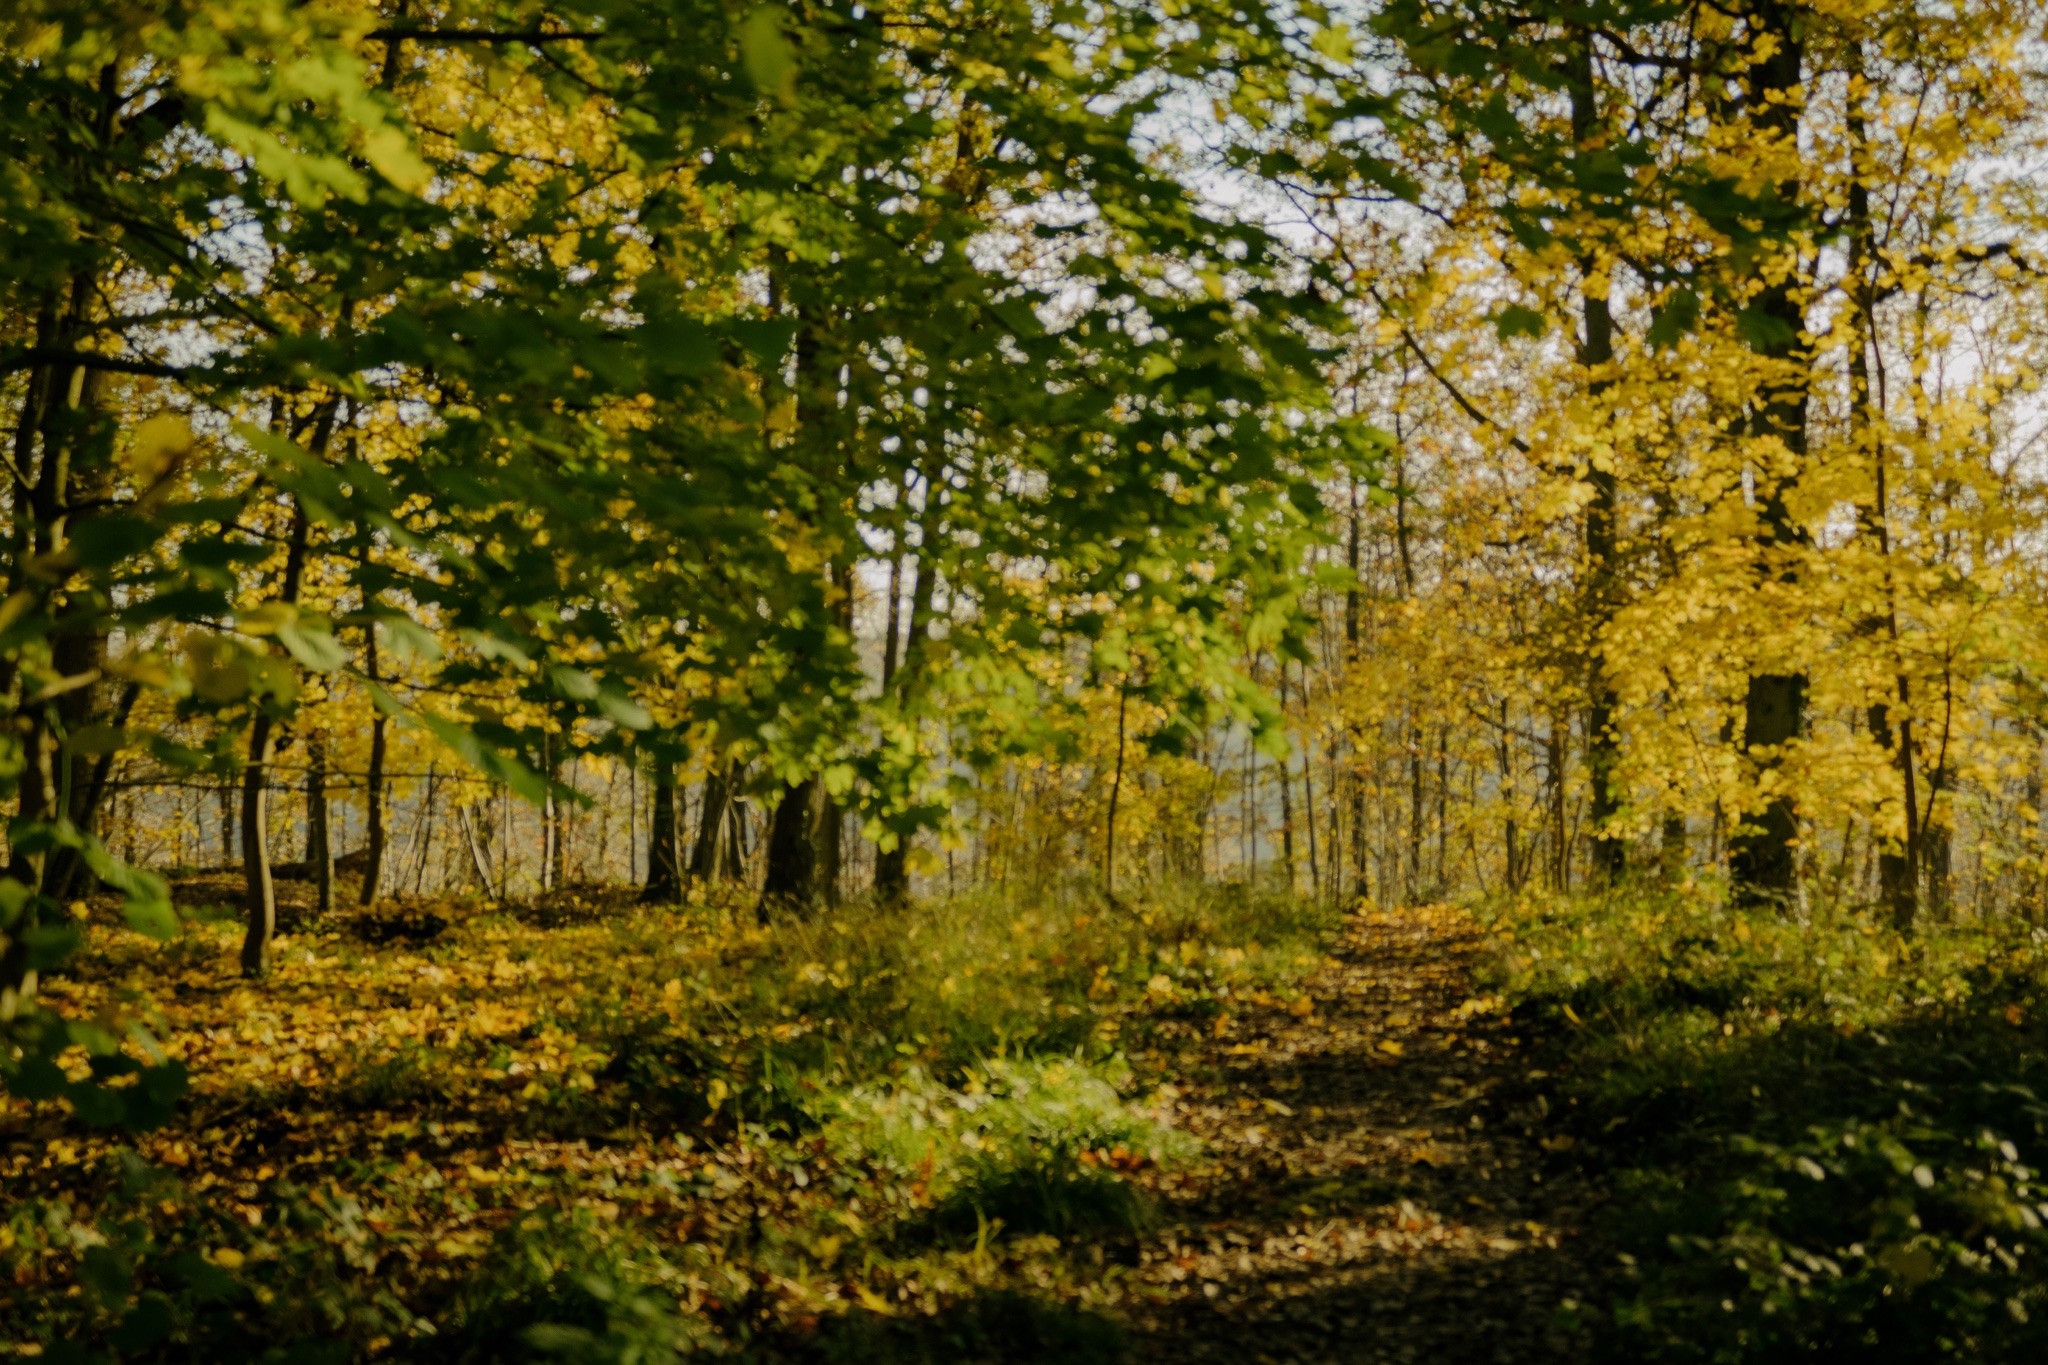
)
(1763, 868)
(1116, 790)
(892, 865)
(259, 890)
(664, 883)
(1609, 860)
(797, 879)
(716, 856)
(373, 785)
(319, 834)
(1360, 885)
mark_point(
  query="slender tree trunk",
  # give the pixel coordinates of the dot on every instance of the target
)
(428, 804)
(259, 890)
(373, 785)
(1505, 754)
(1609, 860)
(664, 883)
(479, 855)
(559, 813)
(1361, 885)
(1763, 868)
(1443, 811)
(1116, 790)
(1286, 782)
(319, 835)
(1308, 787)
(892, 867)
(1413, 885)
(716, 856)
(551, 769)
(225, 795)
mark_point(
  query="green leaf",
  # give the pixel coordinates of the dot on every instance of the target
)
(38, 1078)
(148, 1322)
(409, 639)
(1764, 333)
(769, 60)
(1678, 314)
(311, 641)
(1517, 321)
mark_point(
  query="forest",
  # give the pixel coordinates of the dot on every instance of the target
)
(998, 681)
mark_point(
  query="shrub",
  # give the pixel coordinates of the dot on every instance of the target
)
(1825, 1133)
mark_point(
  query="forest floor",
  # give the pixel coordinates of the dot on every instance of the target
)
(1224, 1126)
(1382, 1189)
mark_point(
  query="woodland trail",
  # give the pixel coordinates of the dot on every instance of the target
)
(1379, 1189)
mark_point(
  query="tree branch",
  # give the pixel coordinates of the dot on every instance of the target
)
(30, 357)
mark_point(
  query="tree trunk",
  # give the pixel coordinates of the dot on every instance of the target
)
(373, 787)
(1361, 886)
(716, 855)
(319, 835)
(260, 891)
(664, 883)
(1116, 789)
(1286, 781)
(479, 854)
(797, 878)
(1609, 860)
(1308, 788)
(225, 795)
(892, 865)
(1672, 855)
(1761, 863)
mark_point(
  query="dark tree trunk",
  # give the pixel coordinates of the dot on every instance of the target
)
(664, 883)
(892, 865)
(319, 831)
(1286, 778)
(1116, 791)
(1762, 865)
(1361, 886)
(226, 797)
(1609, 852)
(373, 787)
(798, 878)
(260, 891)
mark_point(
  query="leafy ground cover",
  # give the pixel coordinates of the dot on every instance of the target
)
(1822, 1138)
(591, 1130)
(1210, 1128)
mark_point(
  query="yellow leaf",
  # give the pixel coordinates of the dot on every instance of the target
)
(158, 446)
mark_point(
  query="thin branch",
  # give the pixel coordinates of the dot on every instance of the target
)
(30, 357)
(1464, 404)
(532, 37)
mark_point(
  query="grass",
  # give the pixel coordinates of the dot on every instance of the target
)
(1822, 1136)
(603, 1132)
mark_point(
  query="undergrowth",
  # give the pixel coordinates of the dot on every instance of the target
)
(1824, 1137)
(618, 1133)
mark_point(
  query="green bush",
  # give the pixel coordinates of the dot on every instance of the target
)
(1823, 1133)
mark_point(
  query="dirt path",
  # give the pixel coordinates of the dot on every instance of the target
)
(1374, 1191)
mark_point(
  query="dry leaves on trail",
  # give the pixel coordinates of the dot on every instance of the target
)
(1386, 1210)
